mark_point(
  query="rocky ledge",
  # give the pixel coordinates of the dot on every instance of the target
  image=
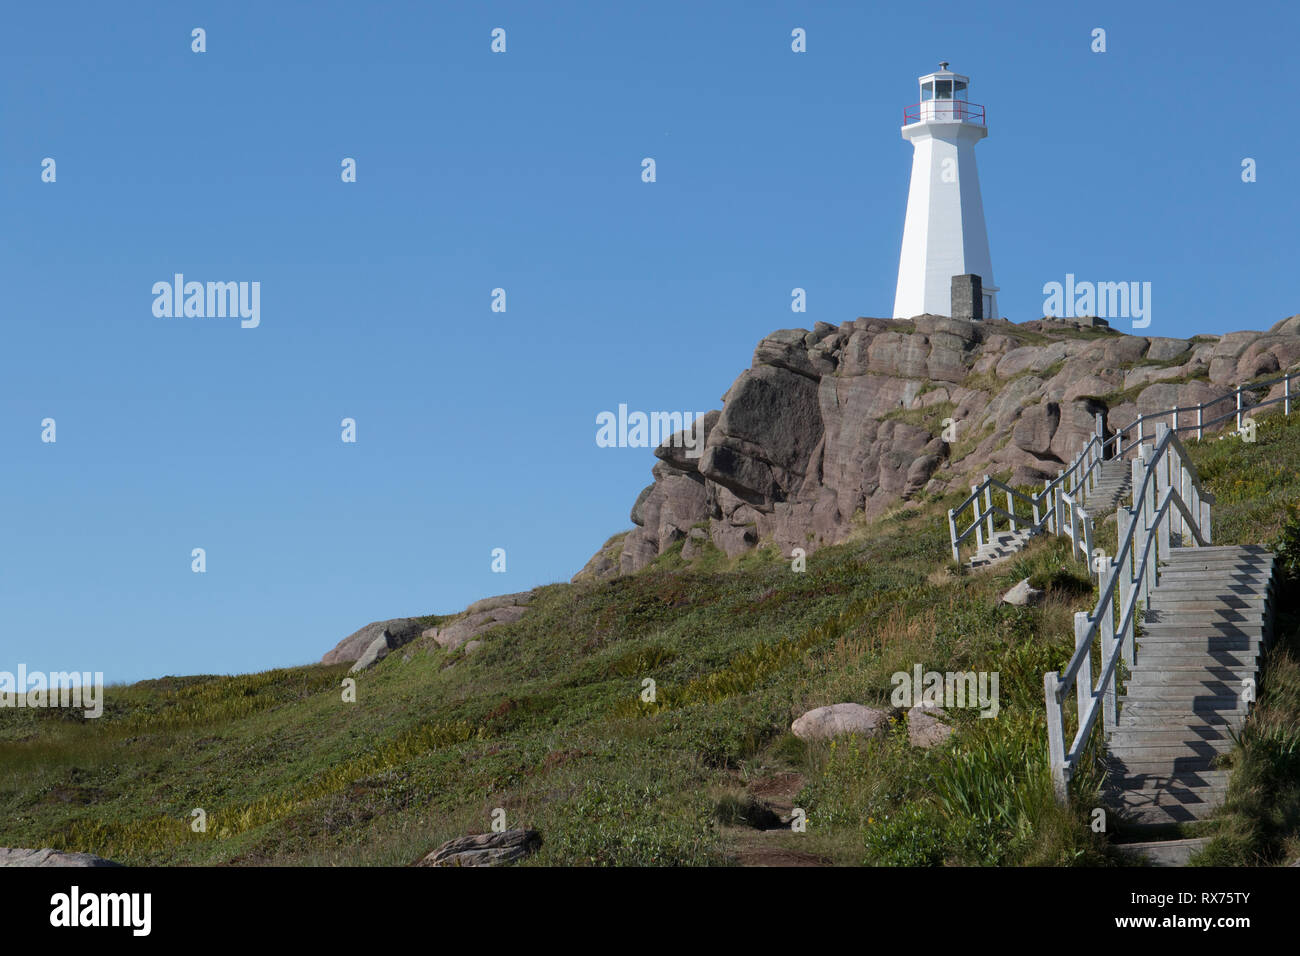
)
(848, 421)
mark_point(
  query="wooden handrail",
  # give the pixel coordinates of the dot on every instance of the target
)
(1133, 574)
(1085, 464)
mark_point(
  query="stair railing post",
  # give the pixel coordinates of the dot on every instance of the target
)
(988, 505)
(1199, 418)
(1124, 522)
(952, 536)
(1059, 500)
(1109, 702)
(1087, 544)
(1055, 734)
(979, 519)
(1083, 679)
(1101, 434)
(1148, 516)
(1184, 480)
(1238, 409)
(1011, 510)
(1162, 540)
(1074, 532)
(1162, 485)
(1194, 506)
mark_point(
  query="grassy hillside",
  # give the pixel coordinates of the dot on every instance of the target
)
(546, 722)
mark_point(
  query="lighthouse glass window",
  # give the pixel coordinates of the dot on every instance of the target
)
(943, 99)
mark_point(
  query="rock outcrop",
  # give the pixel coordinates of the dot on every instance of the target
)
(374, 642)
(10, 856)
(396, 632)
(479, 618)
(848, 421)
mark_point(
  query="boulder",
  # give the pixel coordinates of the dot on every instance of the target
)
(469, 626)
(638, 507)
(926, 727)
(374, 653)
(10, 856)
(682, 449)
(836, 720)
(1022, 595)
(1163, 349)
(519, 599)
(400, 630)
(484, 849)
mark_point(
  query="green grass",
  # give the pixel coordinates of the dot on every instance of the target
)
(1257, 488)
(546, 720)
(930, 418)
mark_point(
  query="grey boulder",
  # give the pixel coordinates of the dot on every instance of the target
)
(836, 720)
(1022, 595)
(485, 849)
(47, 857)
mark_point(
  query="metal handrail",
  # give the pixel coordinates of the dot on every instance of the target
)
(961, 110)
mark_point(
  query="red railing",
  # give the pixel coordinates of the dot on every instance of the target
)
(956, 111)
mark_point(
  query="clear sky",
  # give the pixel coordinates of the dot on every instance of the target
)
(522, 170)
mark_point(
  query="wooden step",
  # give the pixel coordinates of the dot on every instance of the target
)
(1202, 695)
(1209, 749)
(1171, 631)
(1131, 766)
(1209, 678)
(1224, 615)
(1189, 780)
(1165, 852)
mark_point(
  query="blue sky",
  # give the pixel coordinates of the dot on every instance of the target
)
(521, 170)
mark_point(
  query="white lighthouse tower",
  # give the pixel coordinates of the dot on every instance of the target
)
(944, 235)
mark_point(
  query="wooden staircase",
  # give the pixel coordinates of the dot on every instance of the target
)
(1205, 628)
(999, 547)
(1113, 484)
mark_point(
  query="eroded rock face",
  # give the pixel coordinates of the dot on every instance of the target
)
(839, 421)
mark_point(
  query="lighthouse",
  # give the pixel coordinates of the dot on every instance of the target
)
(944, 234)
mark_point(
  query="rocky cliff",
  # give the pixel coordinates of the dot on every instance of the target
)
(834, 423)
